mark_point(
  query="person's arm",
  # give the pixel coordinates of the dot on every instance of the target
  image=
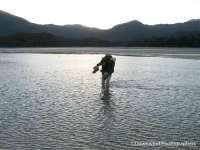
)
(96, 68)
(101, 62)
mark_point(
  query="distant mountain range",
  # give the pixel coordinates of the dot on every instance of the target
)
(16, 31)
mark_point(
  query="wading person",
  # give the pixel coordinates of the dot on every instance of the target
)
(108, 64)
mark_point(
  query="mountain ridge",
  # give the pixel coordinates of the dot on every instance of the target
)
(125, 32)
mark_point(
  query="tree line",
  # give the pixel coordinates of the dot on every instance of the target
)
(49, 40)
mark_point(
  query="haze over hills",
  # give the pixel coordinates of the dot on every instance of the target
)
(11, 26)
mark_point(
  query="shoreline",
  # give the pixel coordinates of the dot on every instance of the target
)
(167, 52)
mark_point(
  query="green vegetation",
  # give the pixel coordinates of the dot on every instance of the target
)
(49, 40)
(183, 40)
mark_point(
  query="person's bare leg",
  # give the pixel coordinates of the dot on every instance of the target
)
(108, 82)
(103, 79)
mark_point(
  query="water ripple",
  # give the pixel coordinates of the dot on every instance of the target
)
(52, 104)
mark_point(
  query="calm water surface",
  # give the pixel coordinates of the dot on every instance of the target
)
(53, 101)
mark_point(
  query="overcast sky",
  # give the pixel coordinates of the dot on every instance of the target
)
(103, 13)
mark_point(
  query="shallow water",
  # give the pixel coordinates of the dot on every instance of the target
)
(53, 101)
(192, 53)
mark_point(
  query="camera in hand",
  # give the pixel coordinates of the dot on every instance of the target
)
(95, 69)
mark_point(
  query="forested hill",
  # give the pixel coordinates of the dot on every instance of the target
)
(16, 31)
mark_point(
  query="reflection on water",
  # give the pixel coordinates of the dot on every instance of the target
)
(50, 101)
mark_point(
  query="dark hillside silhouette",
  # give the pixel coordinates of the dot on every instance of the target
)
(16, 31)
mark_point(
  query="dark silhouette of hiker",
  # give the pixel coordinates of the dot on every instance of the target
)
(108, 64)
